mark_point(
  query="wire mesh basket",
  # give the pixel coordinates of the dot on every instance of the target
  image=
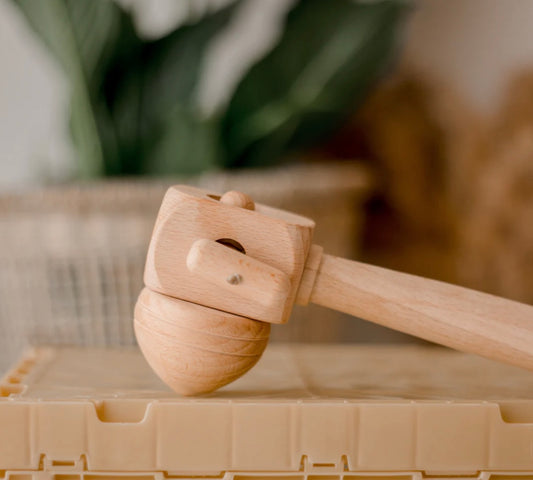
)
(72, 258)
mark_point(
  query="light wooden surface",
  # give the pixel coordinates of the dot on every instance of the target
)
(241, 276)
(196, 349)
(457, 317)
(330, 373)
(276, 238)
(307, 283)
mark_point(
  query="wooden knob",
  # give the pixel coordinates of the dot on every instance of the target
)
(238, 199)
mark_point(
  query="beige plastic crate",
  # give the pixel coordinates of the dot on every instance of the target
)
(304, 413)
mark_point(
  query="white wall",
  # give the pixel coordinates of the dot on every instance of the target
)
(472, 44)
(33, 102)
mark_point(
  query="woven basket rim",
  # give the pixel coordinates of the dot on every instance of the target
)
(305, 181)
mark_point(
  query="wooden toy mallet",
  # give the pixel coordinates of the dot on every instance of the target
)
(220, 270)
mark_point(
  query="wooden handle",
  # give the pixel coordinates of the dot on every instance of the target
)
(439, 312)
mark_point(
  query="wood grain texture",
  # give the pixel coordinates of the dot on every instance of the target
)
(241, 275)
(195, 349)
(274, 237)
(307, 283)
(460, 318)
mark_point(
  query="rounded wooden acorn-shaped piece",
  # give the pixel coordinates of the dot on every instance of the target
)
(196, 349)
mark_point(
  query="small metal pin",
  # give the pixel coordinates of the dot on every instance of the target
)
(234, 279)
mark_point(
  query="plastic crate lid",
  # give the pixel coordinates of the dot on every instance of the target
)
(303, 410)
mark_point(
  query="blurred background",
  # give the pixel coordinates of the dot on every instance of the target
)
(404, 129)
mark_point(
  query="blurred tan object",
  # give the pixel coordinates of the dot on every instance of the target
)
(497, 236)
(423, 142)
(456, 195)
(72, 258)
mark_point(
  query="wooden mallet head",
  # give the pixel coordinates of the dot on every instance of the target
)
(220, 270)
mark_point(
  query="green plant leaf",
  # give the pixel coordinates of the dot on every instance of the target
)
(172, 69)
(187, 144)
(330, 53)
(145, 90)
(127, 92)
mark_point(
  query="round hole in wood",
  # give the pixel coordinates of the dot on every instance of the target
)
(229, 242)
